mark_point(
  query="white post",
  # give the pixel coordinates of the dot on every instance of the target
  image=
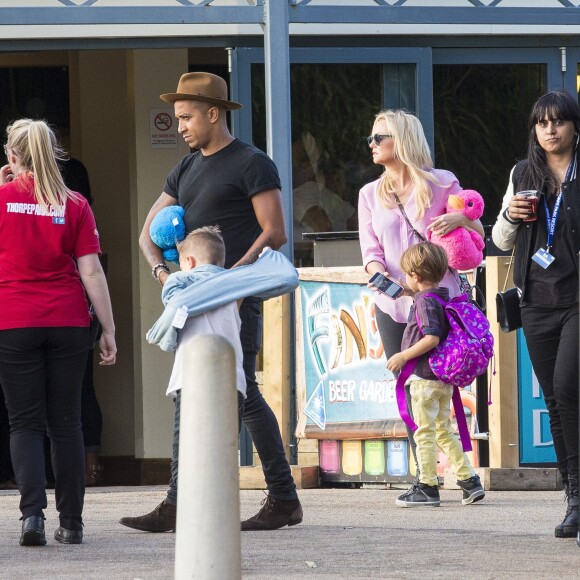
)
(207, 544)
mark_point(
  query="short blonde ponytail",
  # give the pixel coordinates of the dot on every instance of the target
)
(37, 149)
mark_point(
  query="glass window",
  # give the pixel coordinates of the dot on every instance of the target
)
(333, 107)
(481, 114)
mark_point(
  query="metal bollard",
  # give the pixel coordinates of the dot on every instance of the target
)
(207, 544)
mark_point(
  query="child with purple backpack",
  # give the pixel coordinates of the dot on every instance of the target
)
(425, 265)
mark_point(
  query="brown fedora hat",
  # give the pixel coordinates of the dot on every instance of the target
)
(202, 86)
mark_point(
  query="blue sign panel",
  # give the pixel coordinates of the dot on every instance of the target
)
(536, 444)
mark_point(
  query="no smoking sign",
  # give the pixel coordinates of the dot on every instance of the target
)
(163, 122)
(163, 134)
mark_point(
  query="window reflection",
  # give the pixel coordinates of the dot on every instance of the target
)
(333, 107)
(481, 114)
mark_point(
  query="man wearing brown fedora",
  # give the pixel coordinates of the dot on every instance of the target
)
(235, 186)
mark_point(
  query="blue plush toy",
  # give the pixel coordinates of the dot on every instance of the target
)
(167, 229)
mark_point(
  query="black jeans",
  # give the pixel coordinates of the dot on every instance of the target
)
(391, 334)
(254, 412)
(6, 472)
(41, 371)
(91, 416)
(552, 339)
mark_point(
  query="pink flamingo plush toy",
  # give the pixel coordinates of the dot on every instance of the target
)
(464, 247)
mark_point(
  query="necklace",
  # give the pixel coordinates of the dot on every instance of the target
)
(402, 192)
(560, 173)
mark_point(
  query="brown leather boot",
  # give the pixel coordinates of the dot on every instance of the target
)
(275, 513)
(161, 519)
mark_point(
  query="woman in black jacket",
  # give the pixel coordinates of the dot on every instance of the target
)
(546, 271)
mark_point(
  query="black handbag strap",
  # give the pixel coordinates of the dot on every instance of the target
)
(421, 237)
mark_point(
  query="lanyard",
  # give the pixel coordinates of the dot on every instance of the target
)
(551, 220)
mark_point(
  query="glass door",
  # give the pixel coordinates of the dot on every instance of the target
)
(335, 94)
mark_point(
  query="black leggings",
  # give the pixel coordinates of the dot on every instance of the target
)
(41, 372)
(552, 339)
(391, 334)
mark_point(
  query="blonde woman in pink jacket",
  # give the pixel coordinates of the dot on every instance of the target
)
(396, 211)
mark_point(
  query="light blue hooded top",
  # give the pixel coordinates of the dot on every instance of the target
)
(208, 287)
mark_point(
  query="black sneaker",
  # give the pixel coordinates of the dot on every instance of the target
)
(472, 490)
(420, 494)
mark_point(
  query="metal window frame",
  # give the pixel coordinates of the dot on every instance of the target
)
(550, 56)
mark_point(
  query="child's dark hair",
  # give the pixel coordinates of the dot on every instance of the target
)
(426, 260)
(206, 244)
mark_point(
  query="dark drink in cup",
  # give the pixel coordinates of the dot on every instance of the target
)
(531, 195)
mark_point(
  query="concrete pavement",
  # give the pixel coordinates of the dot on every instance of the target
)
(346, 533)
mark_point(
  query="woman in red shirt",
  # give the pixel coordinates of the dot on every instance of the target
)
(49, 247)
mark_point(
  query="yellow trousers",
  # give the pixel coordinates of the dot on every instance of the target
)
(431, 411)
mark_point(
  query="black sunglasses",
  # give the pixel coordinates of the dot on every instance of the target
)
(377, 138)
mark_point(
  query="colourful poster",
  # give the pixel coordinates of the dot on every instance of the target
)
(348, 391)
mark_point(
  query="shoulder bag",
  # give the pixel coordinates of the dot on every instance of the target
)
(508, 304)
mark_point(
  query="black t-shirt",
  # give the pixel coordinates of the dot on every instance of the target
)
(217, 190)
(558, 284)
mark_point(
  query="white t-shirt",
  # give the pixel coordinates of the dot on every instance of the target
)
(224, 321)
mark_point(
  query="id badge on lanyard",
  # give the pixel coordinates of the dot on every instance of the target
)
(543, 257)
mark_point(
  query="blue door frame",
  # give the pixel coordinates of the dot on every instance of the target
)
(424, 59)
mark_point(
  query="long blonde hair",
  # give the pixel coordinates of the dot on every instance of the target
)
(411, 148)
(37, 149)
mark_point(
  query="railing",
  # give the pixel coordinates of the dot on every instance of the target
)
(563, 13)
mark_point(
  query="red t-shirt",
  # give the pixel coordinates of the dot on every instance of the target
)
(39, 281)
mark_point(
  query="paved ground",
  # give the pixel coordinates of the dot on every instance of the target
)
(346, 533)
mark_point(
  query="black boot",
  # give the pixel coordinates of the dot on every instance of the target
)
(569, 526)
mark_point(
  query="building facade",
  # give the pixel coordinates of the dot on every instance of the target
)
(311, 75)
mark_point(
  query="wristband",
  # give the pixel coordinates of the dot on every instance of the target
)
(155, 271)
(509, 219)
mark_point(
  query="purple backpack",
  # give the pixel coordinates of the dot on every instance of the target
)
(465, 354)
(462, 357)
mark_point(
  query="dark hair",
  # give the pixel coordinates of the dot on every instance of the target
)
(553, 105)
(426, 260)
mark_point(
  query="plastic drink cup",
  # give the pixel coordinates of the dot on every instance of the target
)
(531, 195)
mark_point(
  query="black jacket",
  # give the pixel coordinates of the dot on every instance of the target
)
(569, 210)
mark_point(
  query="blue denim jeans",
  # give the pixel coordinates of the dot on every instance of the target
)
(253, 411)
